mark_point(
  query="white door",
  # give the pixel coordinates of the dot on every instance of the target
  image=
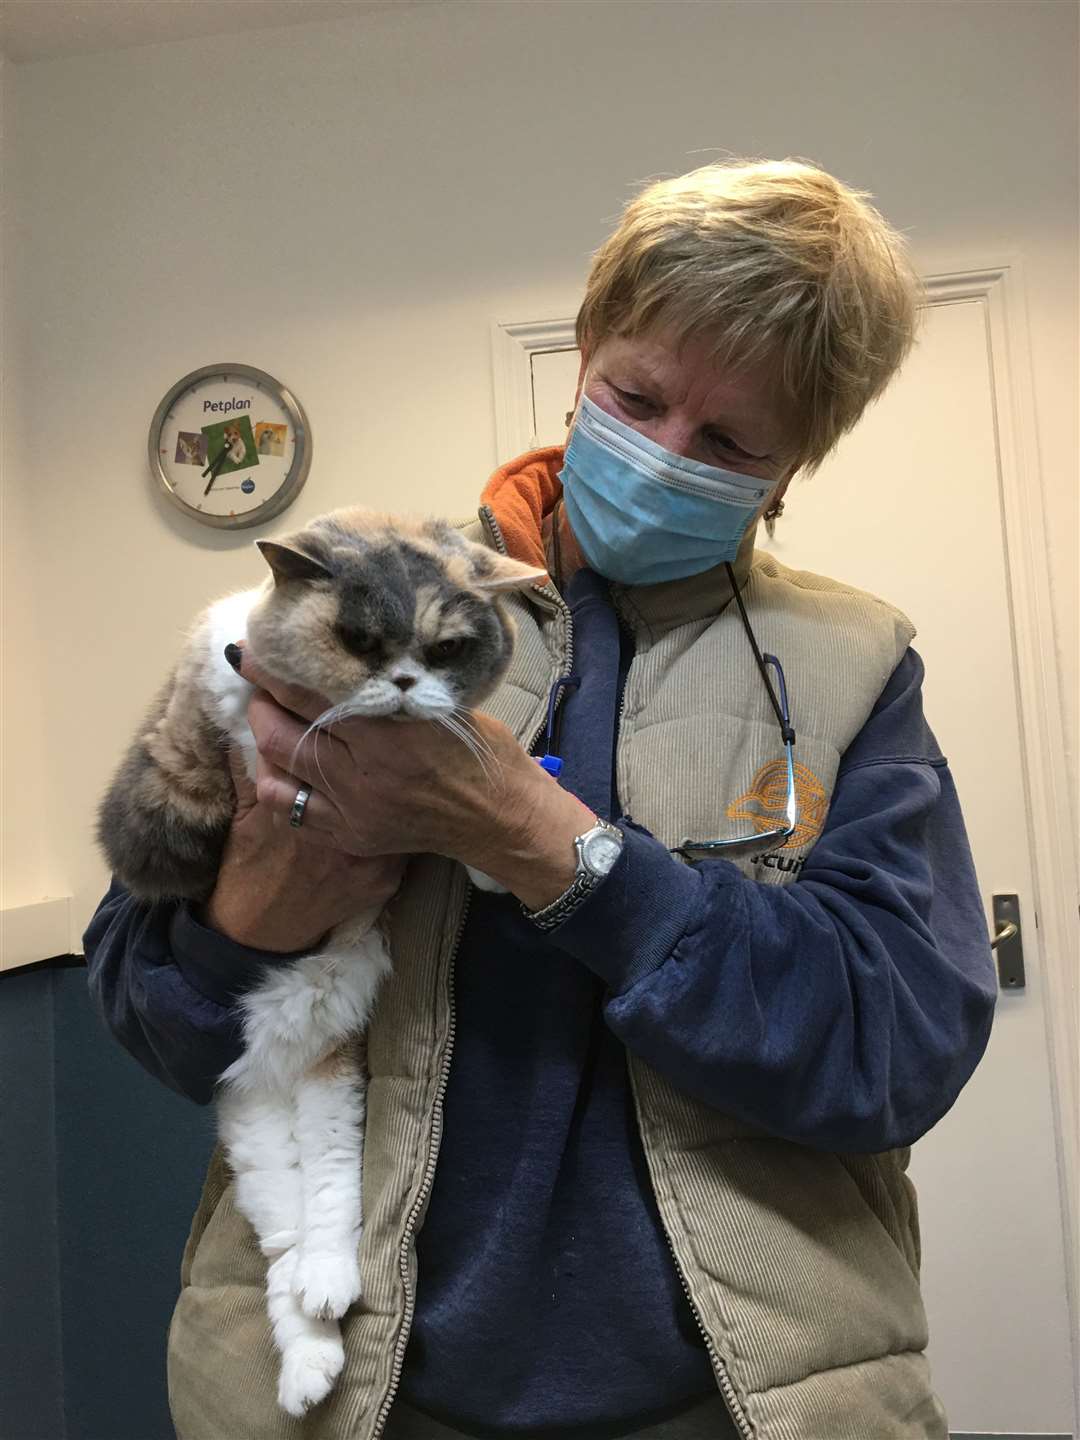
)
(908, 508)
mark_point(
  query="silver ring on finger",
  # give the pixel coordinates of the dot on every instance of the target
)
(299, 805)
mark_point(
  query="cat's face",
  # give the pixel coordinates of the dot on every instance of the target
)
(386, 617)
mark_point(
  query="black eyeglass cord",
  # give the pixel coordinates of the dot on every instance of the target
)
(786, 731)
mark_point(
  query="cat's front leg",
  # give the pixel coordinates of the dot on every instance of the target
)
(330, 1131)
(257, 1130)
(312, 1353)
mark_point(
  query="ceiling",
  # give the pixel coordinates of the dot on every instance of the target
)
(47, 29)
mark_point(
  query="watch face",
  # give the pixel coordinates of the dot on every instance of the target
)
(230, 445)
(600, 851)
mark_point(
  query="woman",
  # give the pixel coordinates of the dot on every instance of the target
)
(669, 1078)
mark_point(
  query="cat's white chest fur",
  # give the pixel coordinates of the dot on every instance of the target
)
(225, 624)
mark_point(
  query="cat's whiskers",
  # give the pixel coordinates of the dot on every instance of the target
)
(317, 728)
(345, 710)
(478, 747)
(324, 782)
(464, 718)
(457, 722)
(458, 731)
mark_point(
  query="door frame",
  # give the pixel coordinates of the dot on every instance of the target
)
(1000, 290)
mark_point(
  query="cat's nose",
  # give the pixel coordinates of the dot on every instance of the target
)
(404, 682)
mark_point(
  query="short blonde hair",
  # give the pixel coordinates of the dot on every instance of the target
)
(765, 260)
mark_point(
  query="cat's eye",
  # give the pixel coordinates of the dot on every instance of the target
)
(357, 641)
(448, 649)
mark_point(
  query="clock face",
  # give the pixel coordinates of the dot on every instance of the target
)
(230, 445)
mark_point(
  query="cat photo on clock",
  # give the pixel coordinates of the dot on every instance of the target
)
(190, 449)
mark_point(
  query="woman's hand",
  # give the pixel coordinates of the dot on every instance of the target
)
(388, 787)
(275, 893)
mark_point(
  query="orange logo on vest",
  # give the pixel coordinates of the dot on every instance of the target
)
(764, 804)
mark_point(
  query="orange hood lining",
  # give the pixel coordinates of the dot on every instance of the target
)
(519, 495)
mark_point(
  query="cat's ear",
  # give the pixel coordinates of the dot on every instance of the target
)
(492, 571)
(290, 564)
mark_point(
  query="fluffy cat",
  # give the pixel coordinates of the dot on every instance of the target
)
(383, 617)
(192, 450)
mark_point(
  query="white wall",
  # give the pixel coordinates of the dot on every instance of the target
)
(349, 207)
(32, 850)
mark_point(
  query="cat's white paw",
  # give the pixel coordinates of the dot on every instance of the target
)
(326, 1282)
(485, 882)
(308, 1371)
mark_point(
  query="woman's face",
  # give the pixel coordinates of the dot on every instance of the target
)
(681, 400)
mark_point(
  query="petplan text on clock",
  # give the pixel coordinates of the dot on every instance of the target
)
(226, 405)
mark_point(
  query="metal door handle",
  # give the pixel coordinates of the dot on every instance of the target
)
(1007, 942)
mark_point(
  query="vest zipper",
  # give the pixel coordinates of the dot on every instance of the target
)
(723, 1379)
(425, 1187)
(720, 1370)
(549, 592)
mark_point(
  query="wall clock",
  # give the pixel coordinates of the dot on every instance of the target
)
(230, 446)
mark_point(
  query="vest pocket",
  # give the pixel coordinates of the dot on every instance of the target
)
(221, 1248)
(214, 1185)
(222, 1362)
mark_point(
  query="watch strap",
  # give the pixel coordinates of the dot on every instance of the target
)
(582, 886)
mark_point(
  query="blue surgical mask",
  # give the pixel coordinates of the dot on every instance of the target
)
(642, 514)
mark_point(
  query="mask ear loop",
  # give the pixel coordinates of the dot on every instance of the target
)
(570, 420)
(571, 415)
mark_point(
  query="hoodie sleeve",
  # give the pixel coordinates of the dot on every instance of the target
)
(167, 987)
(845, 1010)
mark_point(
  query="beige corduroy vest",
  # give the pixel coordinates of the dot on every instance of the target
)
(801, 1266)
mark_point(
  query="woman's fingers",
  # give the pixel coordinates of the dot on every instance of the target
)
(243, 784)
(277, 790)
(284, 742)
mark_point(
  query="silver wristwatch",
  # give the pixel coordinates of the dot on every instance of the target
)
(597, 851)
